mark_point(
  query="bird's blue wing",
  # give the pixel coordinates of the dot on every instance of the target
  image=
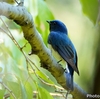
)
(65, 48)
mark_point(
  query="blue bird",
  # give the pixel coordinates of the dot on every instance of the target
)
(62, 45)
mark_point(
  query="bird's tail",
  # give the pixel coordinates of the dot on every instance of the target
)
(69, 81)
(69, 77)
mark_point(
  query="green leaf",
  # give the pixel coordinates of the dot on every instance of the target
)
(13, 84)
(43, 11)
(23, 94)
(44, 14)
(1, 69)
(11, 78)
(43, 93)
(29, 90)
(14, 87)
(2, 92)
(41, 75)
(17, 89)
(90, 9)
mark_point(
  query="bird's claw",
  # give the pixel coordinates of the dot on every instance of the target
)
(59, 61)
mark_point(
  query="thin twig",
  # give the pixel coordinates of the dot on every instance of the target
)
(52, 94)
(16, 1)
(28, 59)
(10, 91)
(21, 3)
(14, 40)
(53, 85)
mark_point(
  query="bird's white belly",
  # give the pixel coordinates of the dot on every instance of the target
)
(57, 56)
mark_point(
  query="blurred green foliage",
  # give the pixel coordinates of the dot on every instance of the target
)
(22, 80)
(43, 14)
(90, 9)
(43, 93)
(40, 15)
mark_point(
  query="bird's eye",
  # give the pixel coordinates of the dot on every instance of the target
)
(54, 23)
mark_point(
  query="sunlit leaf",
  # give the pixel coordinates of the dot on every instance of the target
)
(2, 92)
(43, 93)
(29, 90)
(44, 14)
(18, 89)
(1, 69)
(14, 87)
(90, 9)
(11, 78)
(41, 75)
(23, 94)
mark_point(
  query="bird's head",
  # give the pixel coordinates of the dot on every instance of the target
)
(56, 25)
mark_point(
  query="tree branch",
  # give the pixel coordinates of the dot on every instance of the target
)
(23, 18)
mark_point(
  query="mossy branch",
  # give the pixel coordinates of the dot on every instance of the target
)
(23, 18)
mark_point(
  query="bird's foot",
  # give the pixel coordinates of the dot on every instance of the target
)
(68, 92)
(65, 70)
(59, 61)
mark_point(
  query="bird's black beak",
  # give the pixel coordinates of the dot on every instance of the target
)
(48, 21)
